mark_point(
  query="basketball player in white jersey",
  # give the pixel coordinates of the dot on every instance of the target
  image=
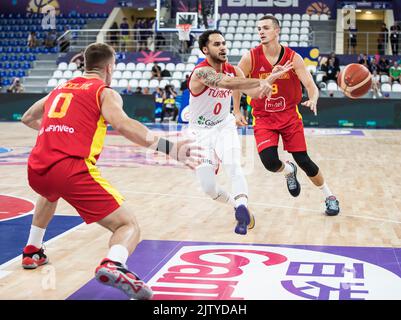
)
(211, 85)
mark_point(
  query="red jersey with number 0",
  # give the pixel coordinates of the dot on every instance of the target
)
(287, 91)
(72, 125)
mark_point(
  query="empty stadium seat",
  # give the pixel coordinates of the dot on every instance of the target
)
(123, 83)
(234, 52)
(140, 66)
(137, 75)
(127, 75)
(384, 78)
(130, 66)
(193, 59)
(175, 83)
(147, 75)
(332, 86)
(117, 74)
(67, 74)
(149, 66)
(77, 73)
(386, 87)
(180, 67)
(324, 17)
(177, 75)
(58, 74)
(170, 66)
(120, 66)
(61, 81)
(133, 83)
(296, 16)
(52, 83)
(143, 83)
(114, 83)
(63, 66)
(287, 16)
(189, 67)
(153, 84)
(164, 83)
(396, 87)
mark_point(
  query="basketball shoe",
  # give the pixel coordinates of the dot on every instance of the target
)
(33, 257)
(332, 206)
(245, 220)
(112, 273)
(294, 188)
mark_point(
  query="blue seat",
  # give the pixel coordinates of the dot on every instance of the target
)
(22, 57)
(26, 65)
(26, 50)
(31, 57)
(1, 49)
(11, 74)
(54, 50)
(17, 65)
(6, 82)
(17, 50)
(21, 73)
(44, 50)
(12, 58)
(7, 65)
(4, 58)
(2, 74)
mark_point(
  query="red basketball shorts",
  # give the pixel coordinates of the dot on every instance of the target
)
(79, 183)
(287, 124)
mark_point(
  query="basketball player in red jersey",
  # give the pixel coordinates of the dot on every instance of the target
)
(72, 125)
(278, 115)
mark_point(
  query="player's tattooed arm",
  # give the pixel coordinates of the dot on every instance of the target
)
(209, 76)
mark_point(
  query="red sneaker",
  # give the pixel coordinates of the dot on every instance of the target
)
(113, 274)
(33, 257)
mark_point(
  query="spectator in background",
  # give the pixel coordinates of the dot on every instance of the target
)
(127, 91)
(158, 96)
(113, 36)
(331, 71)
(65, 40)
(50, 40)
(394, 38)
(382, 40)
(184, 84)
(376, 85)
(169, 104)
(156, 72)
(336, 60)
(32, 41)
(384, 65)
(146, 91)
(138, 90)
(124, 34)
(374, 67)
(16, 86)
(165, 73)
(395, 72)
(160, 41)
(363, 59)
(352, 39)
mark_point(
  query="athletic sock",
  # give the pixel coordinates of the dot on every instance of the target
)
(118, 253)
(288, 168)
(36, 235)
(326, 190)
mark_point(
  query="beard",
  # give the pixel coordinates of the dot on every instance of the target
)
(218, 58)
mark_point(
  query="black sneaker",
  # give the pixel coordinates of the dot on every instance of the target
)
(294, 188)
(332, 206)
(112, 273)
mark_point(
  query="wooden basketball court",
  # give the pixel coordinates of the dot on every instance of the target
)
(360, 166)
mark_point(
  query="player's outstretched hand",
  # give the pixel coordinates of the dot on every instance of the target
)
(311, 104)
(240, 119)
(186, 152)
(279, 70)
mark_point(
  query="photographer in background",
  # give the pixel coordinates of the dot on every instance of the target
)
(169, 104)
(16, 86)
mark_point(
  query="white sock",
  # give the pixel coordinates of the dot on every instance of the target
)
(241, 200)
(326, 190)
(36, 236)
(224, 197)
(288, 168)
(118, 253)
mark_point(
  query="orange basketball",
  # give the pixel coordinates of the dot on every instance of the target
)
(355, 80)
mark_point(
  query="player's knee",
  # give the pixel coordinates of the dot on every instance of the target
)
(305, 163)
(209, 187)
(270, 159)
